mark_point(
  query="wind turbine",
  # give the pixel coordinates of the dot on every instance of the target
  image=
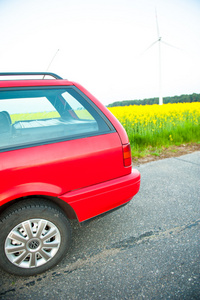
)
(160, 73)
(51, 61)
(159, 41)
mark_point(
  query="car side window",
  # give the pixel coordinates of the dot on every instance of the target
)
(39, 116)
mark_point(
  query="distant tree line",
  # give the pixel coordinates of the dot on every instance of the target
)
(175, 99)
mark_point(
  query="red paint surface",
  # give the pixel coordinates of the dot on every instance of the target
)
(92, 174)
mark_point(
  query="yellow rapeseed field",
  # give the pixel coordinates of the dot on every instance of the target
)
(157, 115)
(159, 125)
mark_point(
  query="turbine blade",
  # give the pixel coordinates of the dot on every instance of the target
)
(150, 46)
(51, 62)
(158, 33)
(170, 45)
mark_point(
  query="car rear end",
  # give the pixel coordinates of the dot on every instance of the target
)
(63, 155)
(89, 167)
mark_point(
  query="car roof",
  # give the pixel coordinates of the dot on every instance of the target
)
(33, 83)
(27, 79)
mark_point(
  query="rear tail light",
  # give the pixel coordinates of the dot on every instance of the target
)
(127, 155)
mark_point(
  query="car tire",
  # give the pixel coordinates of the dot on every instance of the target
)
(34, 237)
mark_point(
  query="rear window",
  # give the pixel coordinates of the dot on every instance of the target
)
(45, 115)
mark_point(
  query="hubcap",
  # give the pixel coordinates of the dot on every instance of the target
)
(32, 243)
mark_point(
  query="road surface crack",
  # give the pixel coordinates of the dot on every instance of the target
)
(189, 162)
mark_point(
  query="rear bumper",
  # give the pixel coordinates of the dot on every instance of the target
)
(100, 198)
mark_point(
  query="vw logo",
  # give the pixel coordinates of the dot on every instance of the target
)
(34, 244)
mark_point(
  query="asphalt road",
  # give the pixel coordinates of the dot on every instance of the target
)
(148, 249)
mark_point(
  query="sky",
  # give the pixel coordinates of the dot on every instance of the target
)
(102, 44)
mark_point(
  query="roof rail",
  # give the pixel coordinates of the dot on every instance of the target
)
(30, 74)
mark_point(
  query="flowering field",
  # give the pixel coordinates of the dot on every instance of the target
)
(156, 126)
(149, 127)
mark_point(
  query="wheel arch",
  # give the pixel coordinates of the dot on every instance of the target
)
(64, 206)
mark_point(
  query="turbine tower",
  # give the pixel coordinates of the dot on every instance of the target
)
(159, 41)
(160, 73)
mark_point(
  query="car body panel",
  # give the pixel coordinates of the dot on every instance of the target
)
(100, 198)
(57, 168)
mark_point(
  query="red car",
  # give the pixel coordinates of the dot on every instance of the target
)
(63, 156)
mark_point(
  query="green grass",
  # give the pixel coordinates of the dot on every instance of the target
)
(150, 141)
